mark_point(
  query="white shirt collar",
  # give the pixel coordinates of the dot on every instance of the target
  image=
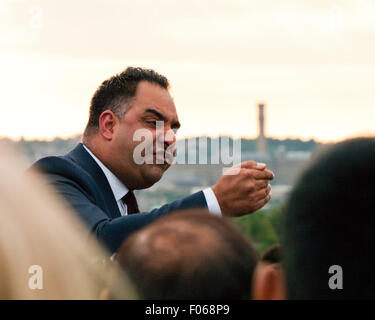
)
(118, 188)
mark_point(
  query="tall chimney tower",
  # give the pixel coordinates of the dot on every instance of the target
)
(261, 143)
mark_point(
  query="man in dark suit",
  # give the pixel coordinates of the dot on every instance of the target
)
(98, 177)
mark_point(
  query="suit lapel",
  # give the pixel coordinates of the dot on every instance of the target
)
(87, 163)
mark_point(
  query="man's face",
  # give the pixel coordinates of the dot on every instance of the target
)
(151, 103)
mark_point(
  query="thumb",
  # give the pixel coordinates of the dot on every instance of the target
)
(253, 165)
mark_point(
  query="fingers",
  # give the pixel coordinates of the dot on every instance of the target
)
(261, 203)
(260, 184)
(259, 175)
(262, 193)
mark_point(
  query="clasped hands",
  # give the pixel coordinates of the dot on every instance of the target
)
(244, 189)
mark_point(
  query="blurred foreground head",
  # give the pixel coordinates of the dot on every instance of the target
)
(268, 280)
(190, 255)
(330, 221)
(272, 255)
(43, 251)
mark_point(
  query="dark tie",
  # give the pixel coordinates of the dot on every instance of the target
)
(131, 202)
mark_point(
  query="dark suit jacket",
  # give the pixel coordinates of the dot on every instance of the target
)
(78, 178)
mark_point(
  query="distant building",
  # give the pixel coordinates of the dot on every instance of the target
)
(261, 140)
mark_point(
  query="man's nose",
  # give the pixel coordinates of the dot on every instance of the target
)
(170, 137)
(166, 138)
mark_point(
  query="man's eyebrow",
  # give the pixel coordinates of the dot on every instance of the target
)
(175, 124)
(158, 114)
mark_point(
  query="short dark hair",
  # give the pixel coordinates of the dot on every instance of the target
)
(190, 255)
(272, 254)
(330, 220)
(119, 89)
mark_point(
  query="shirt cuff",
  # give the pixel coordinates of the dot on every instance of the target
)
(212, 203)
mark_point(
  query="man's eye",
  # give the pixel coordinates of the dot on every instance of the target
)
(153, 123)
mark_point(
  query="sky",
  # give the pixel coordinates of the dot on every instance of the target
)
(311, 62)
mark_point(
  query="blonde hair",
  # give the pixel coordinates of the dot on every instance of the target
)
(36, 229)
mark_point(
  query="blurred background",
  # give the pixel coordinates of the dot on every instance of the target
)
(284, 77)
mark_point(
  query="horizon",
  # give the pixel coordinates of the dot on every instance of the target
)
(73, 136)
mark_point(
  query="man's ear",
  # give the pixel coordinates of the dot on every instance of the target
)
(107, 123)
(269, 282)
